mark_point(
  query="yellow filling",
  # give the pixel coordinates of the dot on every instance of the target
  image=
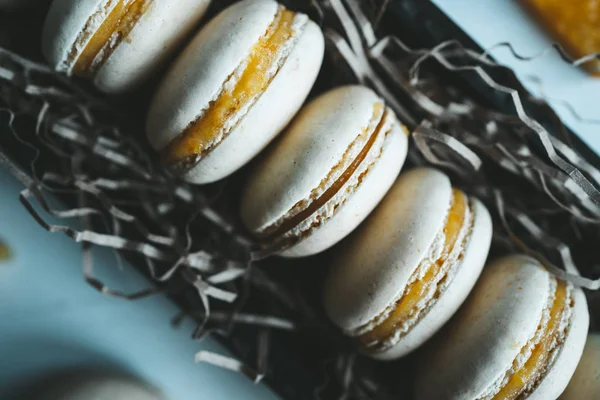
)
(574, 23)
(292, 222)
(407, 305)
(537, 363)
(117, 25)
(201, 135)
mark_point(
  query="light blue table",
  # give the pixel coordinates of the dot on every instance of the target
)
(489, 22)
(50, 318)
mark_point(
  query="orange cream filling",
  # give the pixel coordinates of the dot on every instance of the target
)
(535, 366)
(408, 304)
(206, 132)
(574, 23)
(117, 25)
(293, 221)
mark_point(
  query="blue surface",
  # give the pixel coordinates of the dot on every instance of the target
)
(489, 22)
(50, 318)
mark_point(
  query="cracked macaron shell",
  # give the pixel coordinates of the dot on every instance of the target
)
(585, 383)
(496, 322)
(199, 73)
(378, 260)
(156, 34)
(314, 144)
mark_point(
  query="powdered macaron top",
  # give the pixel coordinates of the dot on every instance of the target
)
(235, 67)
(404, 273)
(117, 43)
(330, 150)
(521, 333)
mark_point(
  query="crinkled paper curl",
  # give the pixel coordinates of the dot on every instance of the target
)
(123, 200)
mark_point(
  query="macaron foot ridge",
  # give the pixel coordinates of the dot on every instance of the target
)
(238, 94)
(436, 272)
(102, 33)
(539, 353)
(334, 190)
(519, 335)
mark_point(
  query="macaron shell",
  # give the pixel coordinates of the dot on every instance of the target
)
(198, 74)
(557, 379)
(380, 257)
(65, 20)
(362, 201)
(270, 114)
(157, 33)
(467, 272)
(585, 383)
(496, 321)
(311, 147)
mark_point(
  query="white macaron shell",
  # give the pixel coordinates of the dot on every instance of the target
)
(65, 20)
(556, 380)
(157, 33)
(361, 202)
(467, 272)
(585, 383)
(499, 318)
(313, 145)
(381, 256)
(198, 74)
(270, 114)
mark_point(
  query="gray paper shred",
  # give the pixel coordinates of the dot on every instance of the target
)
(127, 202)
(564, 171)
(226, 362)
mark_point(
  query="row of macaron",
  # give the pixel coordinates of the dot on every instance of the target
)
(412, 277)
(410, 266)
(234, 86)
(237, 84)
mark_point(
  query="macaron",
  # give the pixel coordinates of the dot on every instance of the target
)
(329, 170)
(117, 44)
(234, 88)
(519, 336)
(410, 266)
(585, 383)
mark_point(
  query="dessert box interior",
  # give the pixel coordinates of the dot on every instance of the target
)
(67, 142)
